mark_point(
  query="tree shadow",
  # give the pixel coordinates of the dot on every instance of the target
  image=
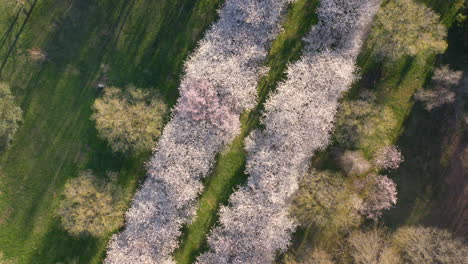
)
(12, 46)
(420, 179)
(10, 29)
(71, 249)
(86, 36)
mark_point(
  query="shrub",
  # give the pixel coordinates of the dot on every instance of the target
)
(388, 157)
(429, 245)
(37, 54)
(379, 194)
(444, 81)
(131, 120)
(366, 247)
(372, 247)
(90, 206)
(405, 27)
(10, 116)
(323, 200)
(353, 163)
(360, 124)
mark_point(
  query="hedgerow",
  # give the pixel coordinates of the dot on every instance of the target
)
(298, 120)
(219, 83)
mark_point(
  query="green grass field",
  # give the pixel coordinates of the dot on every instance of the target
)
(145, 43)
(142, 42)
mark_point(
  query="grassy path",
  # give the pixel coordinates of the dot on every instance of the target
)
(229, 170)
(141, 42)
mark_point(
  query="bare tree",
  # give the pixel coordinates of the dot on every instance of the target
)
(372, 247)
(429, 245)
(443, 91)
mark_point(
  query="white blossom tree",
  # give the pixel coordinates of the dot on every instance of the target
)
(219, 83)
(298, 119)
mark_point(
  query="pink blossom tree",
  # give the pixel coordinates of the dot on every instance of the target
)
(388, 157)
(298, 120)
(379, 194)
(199, 101)
(219, 84)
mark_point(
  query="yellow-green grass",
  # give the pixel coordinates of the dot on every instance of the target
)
(229, 170)
(142, 42)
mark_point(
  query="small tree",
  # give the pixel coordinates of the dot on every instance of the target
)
(379, 194)
(90, 206)
(388, 157)
(429, 245)
(443, 92)
(130, 120)
(372, 247)
(10, 116)
(405, 27)
(353, 163)
(323, 200)
(361, 124)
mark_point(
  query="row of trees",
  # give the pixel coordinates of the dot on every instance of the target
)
(298, 120)
(219, 83)
(407, 244)
(335, 204)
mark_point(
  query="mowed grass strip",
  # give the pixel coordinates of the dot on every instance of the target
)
(139, 42)
(229, 170)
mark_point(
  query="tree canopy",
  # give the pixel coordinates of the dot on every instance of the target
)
(404, 27)
(90, 206)
(129, 120)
